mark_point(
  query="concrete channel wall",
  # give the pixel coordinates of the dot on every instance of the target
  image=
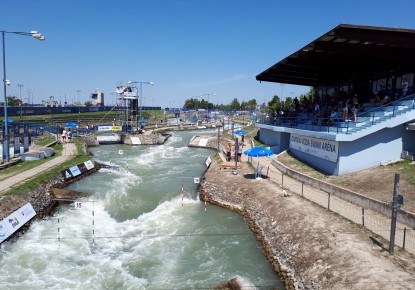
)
(404, 217)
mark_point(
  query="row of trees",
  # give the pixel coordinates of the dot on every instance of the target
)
(278, 105)
(275, 105)
(194, 103)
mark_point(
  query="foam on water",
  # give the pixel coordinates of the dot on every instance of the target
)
(136, 232)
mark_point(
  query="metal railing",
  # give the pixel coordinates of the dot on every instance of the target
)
(337, 125)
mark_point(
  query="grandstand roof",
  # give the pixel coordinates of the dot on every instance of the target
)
(342, 54)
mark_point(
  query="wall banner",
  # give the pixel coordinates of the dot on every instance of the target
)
(16, 220)
(135, 140)
(25, 137)
(77, 169)
(109, 128)
(324, 149)
(16, 134)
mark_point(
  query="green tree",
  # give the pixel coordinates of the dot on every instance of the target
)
(13, 101)
(275, 104)
(235, 105)
(88, 104)
(190, 103)
(251, 104)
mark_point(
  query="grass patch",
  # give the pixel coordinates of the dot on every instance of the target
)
(44, 177)
(407, 169)
(44, 140)
(259, 144)
(24, 166)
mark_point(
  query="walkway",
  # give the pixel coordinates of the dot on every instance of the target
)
(69, 149)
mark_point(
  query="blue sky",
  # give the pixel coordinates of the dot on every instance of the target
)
(186, 47)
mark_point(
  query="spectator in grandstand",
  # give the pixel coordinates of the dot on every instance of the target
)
(333, 115)
(355, 101)
(385, 100)
(296, 104)
(354, 111)
(316, 109)
(346, 110)
(377, 98)
(405, 86)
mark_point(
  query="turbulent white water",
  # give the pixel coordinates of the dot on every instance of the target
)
(137, 230)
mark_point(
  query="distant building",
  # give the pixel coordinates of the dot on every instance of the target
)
(98, 98)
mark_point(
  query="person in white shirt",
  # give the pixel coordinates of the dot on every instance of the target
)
(64, 136)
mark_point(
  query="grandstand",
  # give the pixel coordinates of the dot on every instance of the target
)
(367, 68)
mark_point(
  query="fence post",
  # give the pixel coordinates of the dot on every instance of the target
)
(328, 203)
(282, 179)
(363, 216)
(302, 188)
(394, 206)
(404, 238)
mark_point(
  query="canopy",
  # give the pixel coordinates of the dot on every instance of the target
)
(143, 122)
(240, 132)
(8, 121)
(362, 53)
(71, 125)
(258, 152)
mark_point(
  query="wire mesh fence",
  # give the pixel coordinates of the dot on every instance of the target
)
(372, 220)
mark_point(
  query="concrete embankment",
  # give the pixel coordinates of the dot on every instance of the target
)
(308, 246)
(235, 192)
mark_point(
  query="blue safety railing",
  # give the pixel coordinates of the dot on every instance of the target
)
(337, 125)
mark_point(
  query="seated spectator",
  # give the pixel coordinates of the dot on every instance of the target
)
(355, 101)
(316, 109)
(377, 98)
(385, 100)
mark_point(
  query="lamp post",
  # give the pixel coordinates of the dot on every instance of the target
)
(141, 94)
(6, 82)
(20, 97)
(208, 100)
(79, 98)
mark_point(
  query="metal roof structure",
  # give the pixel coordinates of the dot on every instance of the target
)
(345, 53)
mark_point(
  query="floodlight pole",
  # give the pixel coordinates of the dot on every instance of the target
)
(6, 120)
(208, 101)
(6, 143)
(141, 97)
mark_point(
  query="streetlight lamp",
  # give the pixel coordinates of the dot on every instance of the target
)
(141, 93)
(208, 100)
(6, 145)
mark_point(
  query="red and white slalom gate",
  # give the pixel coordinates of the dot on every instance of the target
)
(196, 180)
